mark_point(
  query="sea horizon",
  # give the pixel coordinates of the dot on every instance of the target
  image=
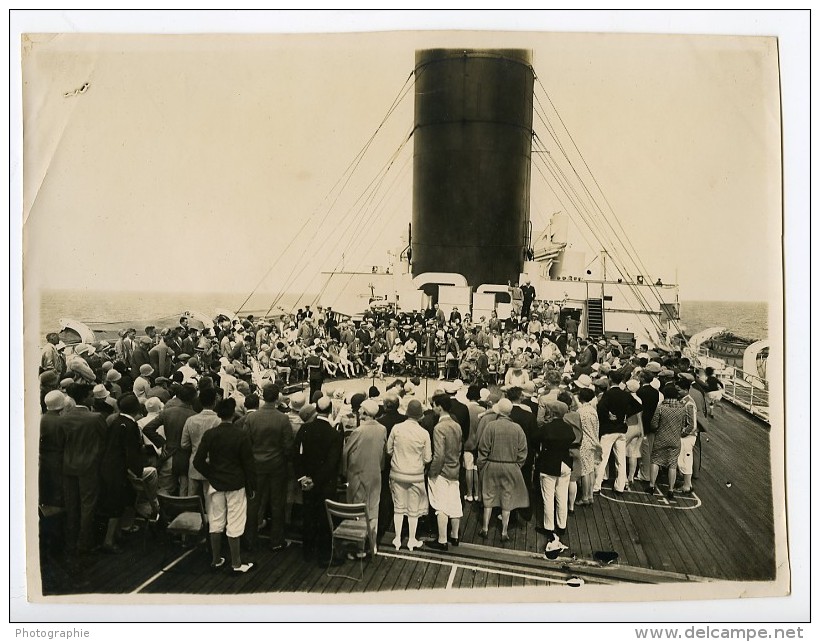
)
(238, 293)
(744, 318)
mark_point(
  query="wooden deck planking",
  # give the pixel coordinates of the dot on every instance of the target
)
(602, 527)
(427, 579)
(647, 524)
(375, 571)
(465, 578)
(632, 534)
(405, 576)
(680, 554)
(580, 530)
(388, 580)
(710, 547)
(622, 542)
(741, 554)
(730, 536)
(480, 579)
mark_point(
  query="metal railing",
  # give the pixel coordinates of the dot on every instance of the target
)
(743, 389)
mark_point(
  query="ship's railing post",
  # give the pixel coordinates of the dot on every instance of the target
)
(751, 398)
(734, 383)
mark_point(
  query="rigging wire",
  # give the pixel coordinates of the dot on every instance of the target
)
(376, 208)
(633, 254)
(306, 258)
(618, 236)
(362, 212)
(366, 194)
(351, 168)
(634, 289)
(592, 226)
(603, 195)
(349, 173)
(375, 240)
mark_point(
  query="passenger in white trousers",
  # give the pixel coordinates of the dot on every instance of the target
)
(614, 406)
(554, 465)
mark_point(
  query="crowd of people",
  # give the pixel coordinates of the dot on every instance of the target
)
(526, 417)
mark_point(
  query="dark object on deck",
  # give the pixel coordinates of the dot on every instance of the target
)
(473, 144)
(605, 557)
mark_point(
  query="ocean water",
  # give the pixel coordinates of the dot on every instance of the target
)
(92, 306)
(748, 319)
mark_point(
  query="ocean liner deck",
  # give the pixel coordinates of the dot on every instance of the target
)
(724, 532)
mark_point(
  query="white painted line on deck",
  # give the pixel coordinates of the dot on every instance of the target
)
(469, 567)
(658, 495)
(452, 576)
(164, 569)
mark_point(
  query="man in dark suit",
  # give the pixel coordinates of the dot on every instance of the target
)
(225, 459)
(140, 355)
(523, 415)
(84, 434)
(316, 373)
(458, 410)
(173, 469)
(317, 453)
(528, 292)
(271, 437)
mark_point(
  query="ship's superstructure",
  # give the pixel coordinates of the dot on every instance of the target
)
(471, 236)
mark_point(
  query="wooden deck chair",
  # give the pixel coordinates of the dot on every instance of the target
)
(184, 516)
(144, 509)
(352, 527)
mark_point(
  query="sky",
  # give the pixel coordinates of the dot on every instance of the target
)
(208, 163)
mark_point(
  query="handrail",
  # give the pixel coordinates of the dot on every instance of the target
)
(743, 389)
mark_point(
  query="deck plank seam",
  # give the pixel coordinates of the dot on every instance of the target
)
(162, 571)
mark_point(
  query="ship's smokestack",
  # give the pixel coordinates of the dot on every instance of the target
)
(473, 145)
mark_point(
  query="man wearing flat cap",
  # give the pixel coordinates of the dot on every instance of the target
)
(689, 460)
(444, 472)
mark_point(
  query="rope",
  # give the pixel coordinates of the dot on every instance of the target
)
(306, 259)
(348, 172)
(633, 254)
(367, 218)
(590, 222)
